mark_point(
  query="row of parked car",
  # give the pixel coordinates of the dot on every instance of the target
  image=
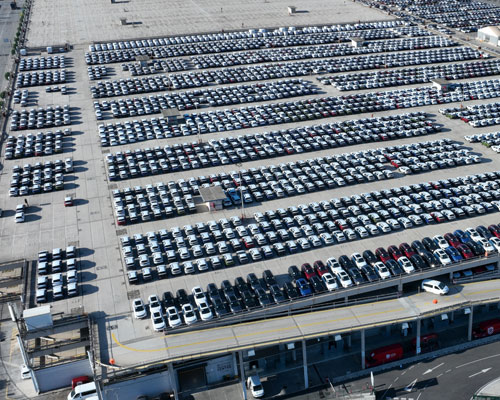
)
(40, 78)
(34, 63)
(31, 145)
(38, 178)
(490, 139)
(40, 118)
(97, 72)
(297, 139)
(411, 76)
(286, 231)
(477, 115)
(319, 108)
(224, 76)
(144, 162)
(464, 16)
(324, 51)
(194, 99)
(334, 274)
(105, 53)
(157, 66)
(291, 179)
(57, 273)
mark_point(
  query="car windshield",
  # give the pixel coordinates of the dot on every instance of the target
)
(257, 388)
(139, 308)
(441, 285)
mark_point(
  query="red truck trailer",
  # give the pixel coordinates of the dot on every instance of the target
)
(486, 328)
(384, 355)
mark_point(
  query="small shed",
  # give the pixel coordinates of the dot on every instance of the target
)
(143, 59)
(357, 42)
(172, 116)
(490, 34)
(442, 84)
(213, 197)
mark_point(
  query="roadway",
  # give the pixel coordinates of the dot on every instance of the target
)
(124, 346)
(456, 376)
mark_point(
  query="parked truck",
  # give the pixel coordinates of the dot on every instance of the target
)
(486, 328)
(383, 355)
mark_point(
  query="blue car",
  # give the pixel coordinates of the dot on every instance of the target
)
(454, 254)
(303, 287)
(462, 236)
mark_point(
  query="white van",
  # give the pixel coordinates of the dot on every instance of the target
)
(86, 391)
(253, 383)
(436, 287)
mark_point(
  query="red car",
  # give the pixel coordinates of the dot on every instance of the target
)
(465, 251)
(407, 250)
(308, 271)
(394, 252)
(382, 254)
(320, 268)
(438, 217)
(452, 239)
(494, 230)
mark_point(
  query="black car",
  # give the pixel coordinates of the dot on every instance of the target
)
(370, 273)
(355, 275)
(418, 262)
(268, 278)
(240, 284)
(430, 259)
(277, 293)
(253, 281)
(168, 299)
(248, 300)
(262, 297)
(430, 244)
(227, 288)
(294, 272)
(220, 307)
(370, 257)
(213, 292)
(290, 291)
(476, 248)
(235, 306)
(317, 284)
(394, 267)
(484, 232)
(182, 298)
(418, 246)
(346, 262)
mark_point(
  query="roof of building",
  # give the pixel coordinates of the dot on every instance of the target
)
(491, 31)
(357, 39)
(212, 193)
(440, 81)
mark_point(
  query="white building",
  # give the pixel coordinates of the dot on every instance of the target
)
(490, 34)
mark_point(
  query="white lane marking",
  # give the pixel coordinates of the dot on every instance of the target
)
(483, 371)
(475, 361)
(432, 369)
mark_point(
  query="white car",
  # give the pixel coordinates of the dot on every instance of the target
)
(487, 245)
(441, 242)
(495, 242)
(140, 311)
(189, 314)
(436, 287)
(329, 281)
(198, 295)
(384, 227)
(343, 277)
(157, 321)
(406, 264)
(442, 256)
(154, 304)
(474, 235)
(205, 311)
(358, 260)
(173, 317)
(19, 217)
(382, 270)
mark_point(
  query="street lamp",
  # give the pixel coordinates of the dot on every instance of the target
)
(239, 165)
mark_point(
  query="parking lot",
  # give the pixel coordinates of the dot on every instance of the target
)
(313, 166)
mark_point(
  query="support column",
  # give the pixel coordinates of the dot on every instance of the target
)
(452, 316)
(349, 340)
(304, 358)
(417, 347)
(471, 320)
(172, 373)
(363, 364)
(235, 364)
(242, 375)
(400, 286)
